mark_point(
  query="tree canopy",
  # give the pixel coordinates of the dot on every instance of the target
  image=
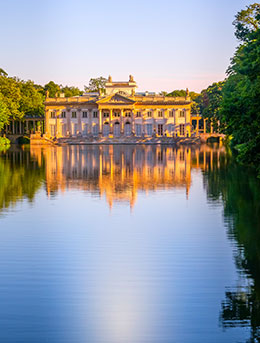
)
(240, 106)
(96, 85)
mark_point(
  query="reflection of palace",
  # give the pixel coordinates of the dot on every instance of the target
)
(119, 172)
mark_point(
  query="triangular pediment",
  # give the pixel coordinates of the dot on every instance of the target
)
(116, 99)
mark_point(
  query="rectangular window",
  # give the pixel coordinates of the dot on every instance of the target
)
(116, 114)
(95, 113)
(63, 114)
(95, 129)
(84, 114)
(53, 115)
(73, 114)
(160, 114)
(160, 129)
(171, 114)
(182, 114)
(149, 113)
(138, 114)
(138, 129)
(106, 115)
(128, 114)
(53, 129)
(182, 129)
(149, 129)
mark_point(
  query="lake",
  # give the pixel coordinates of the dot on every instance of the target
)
(120, 244)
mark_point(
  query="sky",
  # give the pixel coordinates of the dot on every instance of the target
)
(164, 44)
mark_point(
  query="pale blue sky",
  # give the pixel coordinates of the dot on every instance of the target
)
(166, 45)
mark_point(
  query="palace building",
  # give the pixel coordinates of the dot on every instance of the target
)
(117, 112)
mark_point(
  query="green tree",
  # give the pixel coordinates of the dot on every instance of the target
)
(209, 102)
(2, 72)
(240, 107)
(71, 91)
(31, 102)
(11, 96)
(4, 114)
(53, 89)
(96, 85)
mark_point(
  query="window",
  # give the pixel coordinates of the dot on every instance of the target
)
(149, 129)
(182, 114)
(53, 115)
(149, 113)
(138, 114)
(138, 129)
(53, 129)
(116, 114)
(63, 114)
(95, 113)
(160, 114)
(95, 129)
(171, 114)
(128, 114)
(84, 114)
(106, 115)
(182, 129)
(73, 114)
(160, 129)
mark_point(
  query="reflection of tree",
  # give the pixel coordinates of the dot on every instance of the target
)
(240, 193)
(20, 177)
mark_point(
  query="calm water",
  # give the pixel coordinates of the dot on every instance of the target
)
(128, 244)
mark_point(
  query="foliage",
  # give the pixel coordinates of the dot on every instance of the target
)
(4, 142)
(10, 96)
(240, 107)
(31, 102)
(53, 88)
(182, 93)
(208, 103)
(2, 72)
(96, 85)
(71, 91)
(4, 113)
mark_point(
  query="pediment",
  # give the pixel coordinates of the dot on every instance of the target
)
(116, 99)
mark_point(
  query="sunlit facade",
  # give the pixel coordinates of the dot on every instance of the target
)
(118, 111)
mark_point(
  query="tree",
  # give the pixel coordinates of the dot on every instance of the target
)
(53, 88)
(246, 21)
(2, 72)
(209, 102)
(11, 96)
(96, 85)
(4, 114)
(31, 102)
(71, 91)
(240, 107)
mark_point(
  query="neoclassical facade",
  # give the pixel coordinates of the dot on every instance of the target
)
(118, 111)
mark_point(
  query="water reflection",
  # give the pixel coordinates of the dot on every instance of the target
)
(159, 277)
(119, 172)
(239, 191)
(20, 177)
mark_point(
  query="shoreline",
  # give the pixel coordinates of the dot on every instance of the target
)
(117, 141)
